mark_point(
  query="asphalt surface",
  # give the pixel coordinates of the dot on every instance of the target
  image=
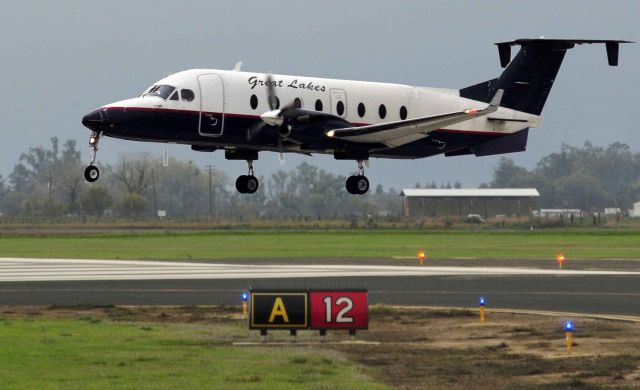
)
(591, 291)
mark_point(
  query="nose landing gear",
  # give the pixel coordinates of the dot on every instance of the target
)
(247, 184)
(358, 184)
(92, 173)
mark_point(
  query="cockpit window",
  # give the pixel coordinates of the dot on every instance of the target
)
(174, 96)
(187, 95)
(162, 91)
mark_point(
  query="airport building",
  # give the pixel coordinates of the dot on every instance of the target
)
(487, 202)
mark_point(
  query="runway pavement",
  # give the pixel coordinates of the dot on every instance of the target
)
(102, 282)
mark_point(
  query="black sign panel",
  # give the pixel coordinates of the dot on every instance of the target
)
(286, 310)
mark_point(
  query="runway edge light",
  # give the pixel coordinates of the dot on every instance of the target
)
(422, 255)
(244, 296)
(568, 331)
(560, 259)
(483, 303)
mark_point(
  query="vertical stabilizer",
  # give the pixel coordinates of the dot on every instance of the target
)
(529, 77)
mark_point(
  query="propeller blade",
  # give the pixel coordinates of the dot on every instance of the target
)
(272, 98)
(254, 130)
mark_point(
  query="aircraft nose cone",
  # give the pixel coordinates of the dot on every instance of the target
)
(94, 120)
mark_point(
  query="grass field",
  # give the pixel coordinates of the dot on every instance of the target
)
(89, 353)
(336, 244)
(410, 348)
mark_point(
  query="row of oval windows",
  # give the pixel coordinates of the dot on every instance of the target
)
(382, 109)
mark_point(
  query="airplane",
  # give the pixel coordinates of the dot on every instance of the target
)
(245, 113)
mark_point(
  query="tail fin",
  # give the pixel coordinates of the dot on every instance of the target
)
(528, 78)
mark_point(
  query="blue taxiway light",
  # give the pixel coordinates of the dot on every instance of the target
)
(245, 296)
(482, 301)
(568, 326)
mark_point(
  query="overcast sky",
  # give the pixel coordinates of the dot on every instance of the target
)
(63, 59)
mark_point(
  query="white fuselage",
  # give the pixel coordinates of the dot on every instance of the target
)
(230, 93)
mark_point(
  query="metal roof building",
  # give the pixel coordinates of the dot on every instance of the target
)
(488, 202)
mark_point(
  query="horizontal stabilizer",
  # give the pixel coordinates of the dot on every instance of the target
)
(504, 48)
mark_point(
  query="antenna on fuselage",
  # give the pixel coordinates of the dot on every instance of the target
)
(237, 67)
(165, 156)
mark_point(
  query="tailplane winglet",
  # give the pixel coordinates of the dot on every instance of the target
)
(497, 98)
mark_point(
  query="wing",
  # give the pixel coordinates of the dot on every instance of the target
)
(402, 132)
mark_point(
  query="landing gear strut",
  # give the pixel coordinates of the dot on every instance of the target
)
(91, 173)
(358, 184)
(247, 184)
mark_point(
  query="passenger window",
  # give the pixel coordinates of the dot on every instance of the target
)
(275, 102)
(361, 110)
(253, 102)
(297, 103)
(187, 95)
(403, 112)
(340, 108)
(382, 111)
(319, 105)
(174, 96)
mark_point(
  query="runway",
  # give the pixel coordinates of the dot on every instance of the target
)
(103, 282)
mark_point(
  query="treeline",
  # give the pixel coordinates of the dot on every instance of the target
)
(589, 178)
(48, 182)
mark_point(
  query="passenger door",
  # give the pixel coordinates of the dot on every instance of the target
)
(339, 103)
(211, 122)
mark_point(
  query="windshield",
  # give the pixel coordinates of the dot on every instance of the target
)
(162, 91)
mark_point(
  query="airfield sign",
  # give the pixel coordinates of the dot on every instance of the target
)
(339, 309)
(319, 310)
(284, 310)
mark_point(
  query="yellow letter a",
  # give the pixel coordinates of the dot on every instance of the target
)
(278, 310)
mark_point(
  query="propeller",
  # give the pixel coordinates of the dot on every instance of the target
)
(276, 116)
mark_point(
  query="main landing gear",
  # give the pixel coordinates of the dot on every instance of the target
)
(247, 184)
(91, 173)
(358, 184)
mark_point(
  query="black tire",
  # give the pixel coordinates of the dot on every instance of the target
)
(361, 184)
(241, 184)
(251, 184)
(91, 173)
(351, 185)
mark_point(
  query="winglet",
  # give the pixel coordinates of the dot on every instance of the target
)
(497, 98)
(492, 107)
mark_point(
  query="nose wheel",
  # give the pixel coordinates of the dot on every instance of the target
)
(358, 184)
(247, 184)
(92, 173)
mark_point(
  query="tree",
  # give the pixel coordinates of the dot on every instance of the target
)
(134, 172)
(132, 205)
(509, 175)
(181, 188)
(49, 179)
(3, 189)
(95, 200)
(69, 176)
(588, 178)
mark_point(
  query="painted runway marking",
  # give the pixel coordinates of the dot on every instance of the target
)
(22, 270)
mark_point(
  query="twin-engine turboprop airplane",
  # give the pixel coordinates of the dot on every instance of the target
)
(245, 113)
